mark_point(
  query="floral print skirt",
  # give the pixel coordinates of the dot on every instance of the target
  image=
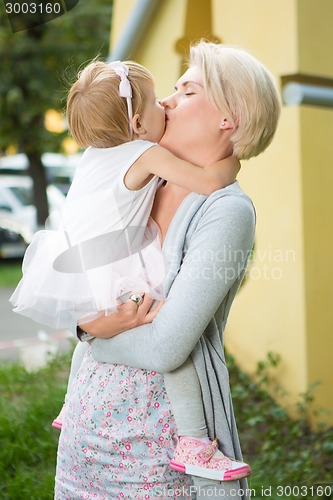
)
(118, 437)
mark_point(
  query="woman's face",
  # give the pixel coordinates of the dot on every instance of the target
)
(193, 123)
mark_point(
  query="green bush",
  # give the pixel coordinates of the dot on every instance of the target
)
(282, 451)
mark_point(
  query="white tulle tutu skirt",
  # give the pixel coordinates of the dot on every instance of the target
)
(64, 285)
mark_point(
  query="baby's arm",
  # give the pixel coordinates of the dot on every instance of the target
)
(204, 180)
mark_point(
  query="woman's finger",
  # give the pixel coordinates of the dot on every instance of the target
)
(140, 313)
(151, 315)
(129, 305)
(146, 305)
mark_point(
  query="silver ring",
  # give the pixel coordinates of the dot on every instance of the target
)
(138, 299)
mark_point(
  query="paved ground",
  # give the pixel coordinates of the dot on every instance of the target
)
(23, 338)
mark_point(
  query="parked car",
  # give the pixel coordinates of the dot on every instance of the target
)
(16, 199)
(14, 237)
(59, 168)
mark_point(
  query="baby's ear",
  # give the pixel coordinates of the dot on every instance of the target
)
(137, 125)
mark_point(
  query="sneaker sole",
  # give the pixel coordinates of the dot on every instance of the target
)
(56, 424)
(228, 475)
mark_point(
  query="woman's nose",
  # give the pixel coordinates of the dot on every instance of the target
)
(167, 103)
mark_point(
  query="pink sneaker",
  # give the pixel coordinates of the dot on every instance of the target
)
(57, 422)
(196, 458)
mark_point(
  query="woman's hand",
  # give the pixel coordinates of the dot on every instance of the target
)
(128, 316)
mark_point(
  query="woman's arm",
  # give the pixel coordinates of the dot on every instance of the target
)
(217, 254)
(204, 180)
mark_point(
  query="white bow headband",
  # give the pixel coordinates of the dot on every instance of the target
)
(125, 89)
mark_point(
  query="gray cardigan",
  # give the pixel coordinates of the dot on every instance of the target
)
(206, 248)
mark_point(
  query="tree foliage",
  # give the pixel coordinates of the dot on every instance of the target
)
(37, 67)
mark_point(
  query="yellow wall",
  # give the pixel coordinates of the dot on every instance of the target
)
(317, 162)
(315, 37)
(157, 50)
(285, 304)
(291, 187)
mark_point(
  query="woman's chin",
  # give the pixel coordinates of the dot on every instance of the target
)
(167, 141)
(163, 141)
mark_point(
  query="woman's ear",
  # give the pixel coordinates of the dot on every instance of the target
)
(137, 125)
(226, 125)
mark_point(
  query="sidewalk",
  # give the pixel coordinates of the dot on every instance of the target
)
(19, 335)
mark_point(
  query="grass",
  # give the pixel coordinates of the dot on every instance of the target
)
(10, 272)
(282, 451)
(28, 404)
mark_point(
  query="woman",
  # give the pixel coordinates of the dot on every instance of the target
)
(118, 435)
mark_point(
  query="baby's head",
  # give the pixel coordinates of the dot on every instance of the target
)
(97, 114)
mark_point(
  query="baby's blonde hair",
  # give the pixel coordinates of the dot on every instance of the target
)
(97, 115)
(244, 90)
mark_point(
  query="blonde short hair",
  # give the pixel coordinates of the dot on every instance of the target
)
(97, 115)
(244, 90)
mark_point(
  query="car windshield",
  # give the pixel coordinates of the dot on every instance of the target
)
(24, 194)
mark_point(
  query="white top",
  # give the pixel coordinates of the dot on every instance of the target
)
(98, 197)
(105, 247)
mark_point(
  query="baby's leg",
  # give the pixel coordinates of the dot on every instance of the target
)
(77, 358)
(195, 453)
(184, 391)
